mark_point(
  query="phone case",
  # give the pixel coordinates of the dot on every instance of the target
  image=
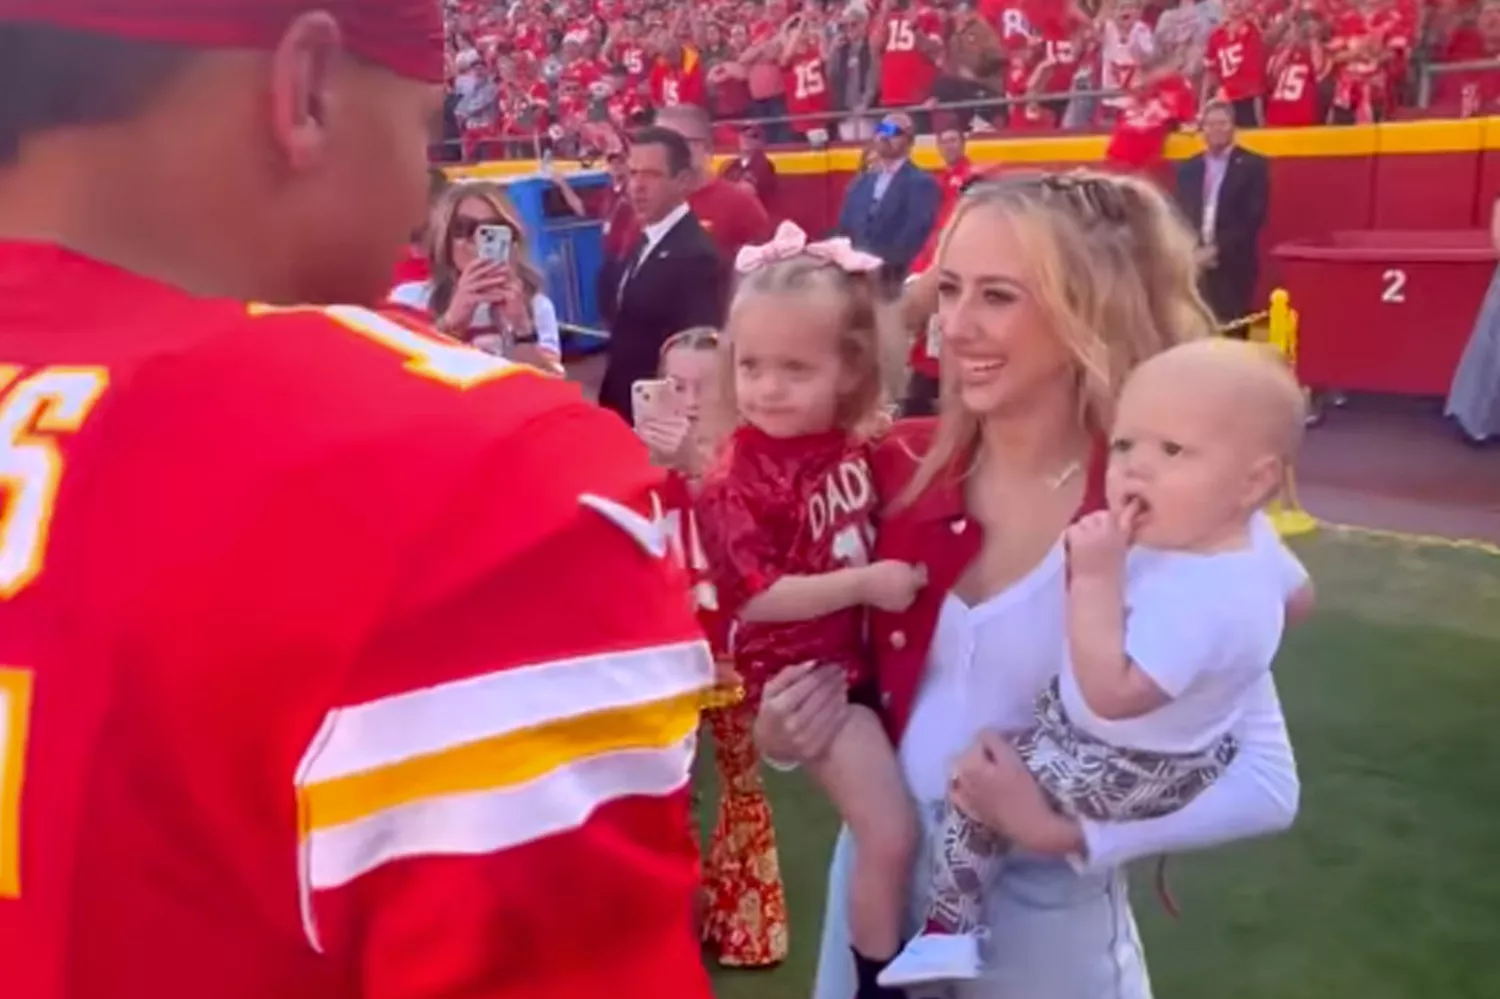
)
(493, 242)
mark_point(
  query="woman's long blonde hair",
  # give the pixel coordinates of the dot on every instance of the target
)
(440, 235)
(1114, 271)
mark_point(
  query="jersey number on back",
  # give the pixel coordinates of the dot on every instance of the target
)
(427, 353)
(35, 410)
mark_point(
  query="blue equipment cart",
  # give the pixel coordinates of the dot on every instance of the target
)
(568, 250)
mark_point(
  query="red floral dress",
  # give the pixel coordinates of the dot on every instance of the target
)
(745, 917)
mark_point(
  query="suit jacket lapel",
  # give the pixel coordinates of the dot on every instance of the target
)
(661, 251)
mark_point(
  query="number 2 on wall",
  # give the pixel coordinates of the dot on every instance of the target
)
(1393, 287)
(15, 713)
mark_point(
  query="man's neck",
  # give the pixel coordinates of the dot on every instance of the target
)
(132, 219)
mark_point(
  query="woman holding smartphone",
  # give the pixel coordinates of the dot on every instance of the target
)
(484, 289)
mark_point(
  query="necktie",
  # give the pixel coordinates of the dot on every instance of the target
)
(636, 258)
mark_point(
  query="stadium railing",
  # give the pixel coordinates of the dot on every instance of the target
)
(452, 151)
(1428, 73)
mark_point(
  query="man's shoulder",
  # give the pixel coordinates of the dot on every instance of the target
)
(347, 374)
(691, 237)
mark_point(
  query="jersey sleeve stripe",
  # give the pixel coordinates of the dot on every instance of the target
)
(503, 761)
(491, 821)
(393, 730)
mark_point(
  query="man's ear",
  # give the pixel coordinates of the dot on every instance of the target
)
(302, 72)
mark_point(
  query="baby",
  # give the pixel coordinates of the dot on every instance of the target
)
(1176, 605)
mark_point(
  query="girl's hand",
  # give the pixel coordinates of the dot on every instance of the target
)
(890, 585)
(993, 787)
(667, 437)
(481, 282)
(801, 710)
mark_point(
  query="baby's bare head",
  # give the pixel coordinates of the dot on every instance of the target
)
(1204, 434)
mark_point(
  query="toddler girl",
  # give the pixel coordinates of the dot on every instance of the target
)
(1176, 604)
(786, 515)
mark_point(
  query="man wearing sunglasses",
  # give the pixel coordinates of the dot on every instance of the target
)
(889, 209)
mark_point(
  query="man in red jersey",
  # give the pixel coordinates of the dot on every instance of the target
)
(316, 683)
(730, 212)
(1235, 65)
(1296, 69)
(909, 39)
(1160, 103)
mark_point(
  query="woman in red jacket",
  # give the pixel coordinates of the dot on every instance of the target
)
(1050, 288)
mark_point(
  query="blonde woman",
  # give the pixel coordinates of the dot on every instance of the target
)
(1050, 288)
(496, 307)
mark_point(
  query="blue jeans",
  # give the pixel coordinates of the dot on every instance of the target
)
(1054, 934)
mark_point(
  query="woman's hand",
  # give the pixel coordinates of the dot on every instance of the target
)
(480, 283)
(668, 438)
(801, 711)
(993, 787)
(539, 357)
(512, 302)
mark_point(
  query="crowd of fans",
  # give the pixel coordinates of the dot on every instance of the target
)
(532, 78)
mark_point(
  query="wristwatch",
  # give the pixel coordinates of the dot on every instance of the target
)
(527, 338)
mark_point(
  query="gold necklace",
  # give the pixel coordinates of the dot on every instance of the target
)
(1062, 478)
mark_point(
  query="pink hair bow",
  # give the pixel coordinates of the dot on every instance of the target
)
(790, 241)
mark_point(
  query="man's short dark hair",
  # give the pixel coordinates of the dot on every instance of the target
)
(679, 156)
(51, 79)
(1223, 107)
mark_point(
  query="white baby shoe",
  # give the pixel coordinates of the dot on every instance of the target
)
(933, 957)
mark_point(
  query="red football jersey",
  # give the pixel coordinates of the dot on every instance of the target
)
(1140, 136)
(680, 522)
(318, 682)
(807, 88)
(1236, 56)
(1293, 98)
(787, 507)
(906, 72)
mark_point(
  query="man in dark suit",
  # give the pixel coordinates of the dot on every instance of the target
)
(1224, 192)
(889, 209)
(672, 278)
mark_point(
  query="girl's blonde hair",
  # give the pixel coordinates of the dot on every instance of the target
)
(440, 233)
(870, 334)
(1115, 273)
(692, 338)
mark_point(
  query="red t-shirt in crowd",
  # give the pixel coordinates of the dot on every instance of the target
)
(731, 214)
(253, 658)
(1140, 135)
(1236, 56)
(776, 507)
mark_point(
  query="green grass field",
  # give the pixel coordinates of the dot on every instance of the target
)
(1386, 888)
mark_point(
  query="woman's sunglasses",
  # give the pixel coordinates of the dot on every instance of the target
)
(467, 228)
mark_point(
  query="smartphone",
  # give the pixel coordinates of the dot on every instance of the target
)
(494, 242)
(651, 398)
